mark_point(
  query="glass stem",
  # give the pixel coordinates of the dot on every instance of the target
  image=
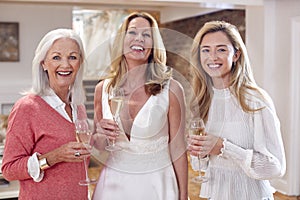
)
(116, 117)
(200, 175)
(113, 142)
(86, 169)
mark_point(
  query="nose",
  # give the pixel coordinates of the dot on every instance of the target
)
(139, 37)
(213, 55)
(65, 62)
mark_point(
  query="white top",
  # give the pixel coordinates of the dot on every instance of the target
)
(143, 170)
(253, 150)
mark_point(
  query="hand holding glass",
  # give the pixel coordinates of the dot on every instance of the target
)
(116, 98)
(83, 135)
(197, 127)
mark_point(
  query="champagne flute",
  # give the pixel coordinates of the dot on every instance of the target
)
(83, 135)
(116, 98)
(197, 127)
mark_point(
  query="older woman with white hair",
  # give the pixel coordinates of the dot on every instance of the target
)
(41, 149)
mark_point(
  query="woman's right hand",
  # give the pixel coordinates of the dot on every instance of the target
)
(109, 128)
(204, 145)
(66, 153)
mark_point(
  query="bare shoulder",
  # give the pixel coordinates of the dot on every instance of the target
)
(176, 93)
(98, 100)
(98, 92)
(99, 86)
(176, 87)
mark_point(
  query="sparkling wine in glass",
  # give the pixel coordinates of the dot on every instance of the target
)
(83, 135)
(116, 98)
(197, 127)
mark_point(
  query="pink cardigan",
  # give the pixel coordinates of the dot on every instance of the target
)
(34, 126)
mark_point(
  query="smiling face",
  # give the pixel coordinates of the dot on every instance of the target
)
(138, 42)
(216, 56)
(62, 63)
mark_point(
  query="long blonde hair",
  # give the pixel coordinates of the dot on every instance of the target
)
(242, 83)
(157, 71)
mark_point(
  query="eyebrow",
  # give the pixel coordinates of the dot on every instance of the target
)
(75, 52)
(220, 45)
(133, 27)
(56, 52)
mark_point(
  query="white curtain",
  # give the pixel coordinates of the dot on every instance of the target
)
(97, 28)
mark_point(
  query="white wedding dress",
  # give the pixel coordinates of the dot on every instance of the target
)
(143, 169)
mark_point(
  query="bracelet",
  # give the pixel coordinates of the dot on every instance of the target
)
(43, 164)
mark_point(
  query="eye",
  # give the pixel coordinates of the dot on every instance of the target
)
(73, 57)
(56, 58)
(147, 35)
(222, 50)
(204, 50)
(131, 32)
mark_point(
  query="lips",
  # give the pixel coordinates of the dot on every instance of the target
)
(137, 48)
(213, 66)
(64, 73)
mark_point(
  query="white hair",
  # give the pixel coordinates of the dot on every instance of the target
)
(40, 82)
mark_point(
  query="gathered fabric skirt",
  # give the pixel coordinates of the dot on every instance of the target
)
(156, 185)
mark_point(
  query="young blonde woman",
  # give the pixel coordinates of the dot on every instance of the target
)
(243, 139)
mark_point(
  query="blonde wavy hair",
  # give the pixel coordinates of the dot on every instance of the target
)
(157, 71)
(242, 83)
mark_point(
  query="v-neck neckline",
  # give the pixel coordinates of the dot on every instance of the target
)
(134, 119)
(52, 109)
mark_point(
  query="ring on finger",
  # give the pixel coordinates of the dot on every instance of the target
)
(77, 154)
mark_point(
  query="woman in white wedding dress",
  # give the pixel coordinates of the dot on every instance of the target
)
(152, 164)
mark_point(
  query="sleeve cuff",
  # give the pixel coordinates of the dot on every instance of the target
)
(224, 147)
(34, 168)
(240, 155)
